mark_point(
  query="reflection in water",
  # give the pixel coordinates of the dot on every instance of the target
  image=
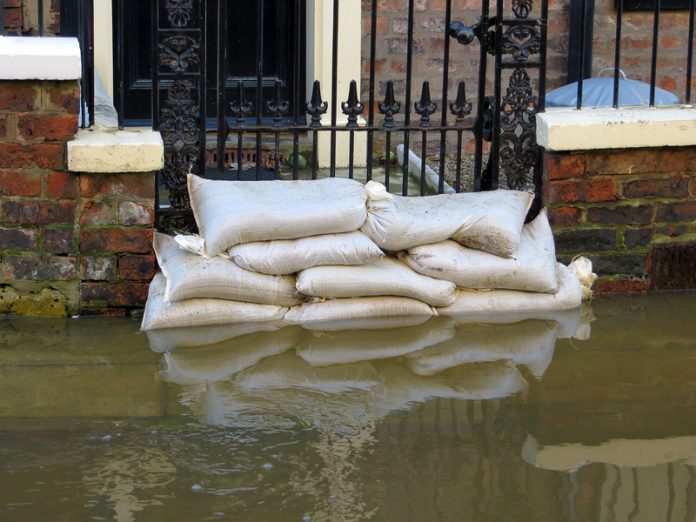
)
(477, 418)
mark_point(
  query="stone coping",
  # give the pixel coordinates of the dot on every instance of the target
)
(39, 58)
(103, 150)
(106, 149)
(623, 128)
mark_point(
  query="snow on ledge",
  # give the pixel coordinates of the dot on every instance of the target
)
(624, 128)
(39, 58)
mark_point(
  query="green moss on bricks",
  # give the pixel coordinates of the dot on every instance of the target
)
(47, 302)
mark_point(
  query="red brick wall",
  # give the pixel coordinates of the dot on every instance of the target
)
(69, 243)
(21, 17)
(614, 206)
(429, 22)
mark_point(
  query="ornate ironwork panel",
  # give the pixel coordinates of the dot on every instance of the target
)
(262, 129)
(180, 39)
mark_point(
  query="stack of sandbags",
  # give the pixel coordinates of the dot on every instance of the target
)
(254, 238)
(333, 254)
(478, 242)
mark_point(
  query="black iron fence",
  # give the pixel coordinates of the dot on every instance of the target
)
(76, 19)
(581, 44)
(263, 127)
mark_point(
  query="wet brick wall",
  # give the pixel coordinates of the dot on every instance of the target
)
(69, 243)
(615, 206)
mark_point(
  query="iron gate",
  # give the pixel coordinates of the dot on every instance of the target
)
(257, 132)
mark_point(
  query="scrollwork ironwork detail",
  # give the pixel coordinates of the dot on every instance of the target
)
(522, 8)
(518, 148)
(179, 12)
(521, 41)
(178, 53)
(180, 135)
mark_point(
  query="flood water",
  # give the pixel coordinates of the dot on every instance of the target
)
(586, 416)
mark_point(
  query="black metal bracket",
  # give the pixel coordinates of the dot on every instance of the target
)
(465, 34)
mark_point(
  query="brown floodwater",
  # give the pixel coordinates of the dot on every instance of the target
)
(583, 416)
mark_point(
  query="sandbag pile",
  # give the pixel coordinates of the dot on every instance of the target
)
(333, 254)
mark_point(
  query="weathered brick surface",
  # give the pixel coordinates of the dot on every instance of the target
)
(116, 239)
(20, 183)
(124, 294)
(69, 243)
(18, 238)
(137, 268)
(46, 127)
(127, 185)
(59, 240)
(98, 268)
(645, 196)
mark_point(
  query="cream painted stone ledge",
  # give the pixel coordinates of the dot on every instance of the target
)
(624, 128)
(103, 150)
(106, 149)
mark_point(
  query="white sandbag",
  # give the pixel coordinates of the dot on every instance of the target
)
(287, 256)
(192, 276)
(384, 276)
(468, 301)
(490, 221)
(289, 371)
(169, 339)
(232, 212)
(220, 362)
(351, 312)
(533, 267)
(201, 312)
(349, 346)
(529, 343)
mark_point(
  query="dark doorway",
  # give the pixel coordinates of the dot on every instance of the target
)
(278, 58)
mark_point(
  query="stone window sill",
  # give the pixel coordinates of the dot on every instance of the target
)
(624, 128)
(106, 149)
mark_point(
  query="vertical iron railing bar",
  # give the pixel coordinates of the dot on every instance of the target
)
(90, 60)
(541, 105)
(334, 88)
(259, 80)
(371, 95)
(424, 138)
(480, 108)
(297, 39)
(477, 159)
(617, 52)
(387, 159)
(154, 94)
(653, 60)
(581, 58)
(83, 63)
(221, 97)
(120, 62)
(690, 52)
(407, 101)
(202, 86)
(537, 175)
(2, 18)
(41, 16)
(494, 157)
(445, 81)
(315, 154)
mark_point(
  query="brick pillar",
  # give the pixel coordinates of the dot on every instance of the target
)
(69, 242)
(616, 206)
(38, 262)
